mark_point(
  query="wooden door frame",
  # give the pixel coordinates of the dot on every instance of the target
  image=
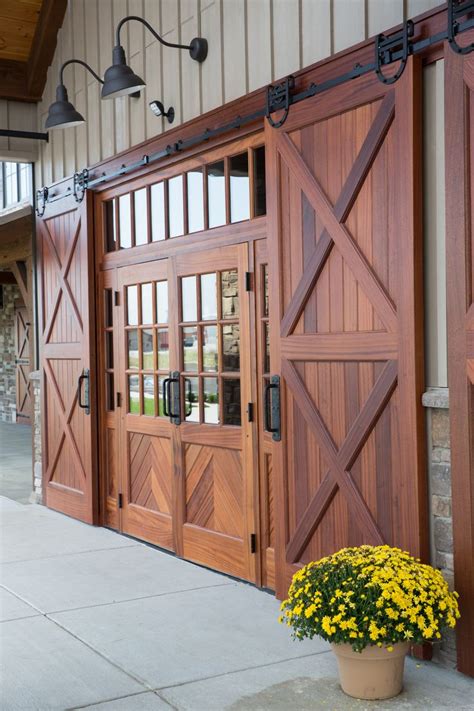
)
(459, 83)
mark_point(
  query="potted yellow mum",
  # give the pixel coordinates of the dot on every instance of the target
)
(371, 603)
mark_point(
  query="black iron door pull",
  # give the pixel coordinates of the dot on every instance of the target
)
(189, 401)
(174, 398)
(86, 405)
(165, 397)
(272, 407)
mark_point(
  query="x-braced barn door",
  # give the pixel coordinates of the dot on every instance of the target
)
(22, 362)
(343, 195)
(64, 237)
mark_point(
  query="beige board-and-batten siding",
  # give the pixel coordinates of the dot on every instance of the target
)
(251, 43)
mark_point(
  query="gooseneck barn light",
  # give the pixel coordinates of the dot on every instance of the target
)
(62, 113)
(121, 80)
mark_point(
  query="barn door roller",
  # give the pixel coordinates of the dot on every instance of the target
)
(457, 10)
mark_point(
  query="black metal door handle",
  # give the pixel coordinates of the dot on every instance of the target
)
(271, 408)
(189, 401)
(84, 377)
(165, 397)
(173, 396)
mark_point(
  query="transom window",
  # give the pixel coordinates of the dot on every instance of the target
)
(228, 191)
(15, 184)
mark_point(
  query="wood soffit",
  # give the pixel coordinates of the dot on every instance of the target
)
(28, 35)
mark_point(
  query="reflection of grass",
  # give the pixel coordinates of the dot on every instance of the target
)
(149, 407)
(148, 361)
(133, 359)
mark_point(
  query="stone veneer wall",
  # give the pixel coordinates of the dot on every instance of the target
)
(37, 495)
(441, 523)
(7, 354)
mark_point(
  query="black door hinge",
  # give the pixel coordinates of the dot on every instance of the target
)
(118, 399)
(248, 281)
(250, 411)
(116, 298)
(120, 501)
(253, 542)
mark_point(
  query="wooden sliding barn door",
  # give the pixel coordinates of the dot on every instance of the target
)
(64, 237)
(343, 195)
(460, 307)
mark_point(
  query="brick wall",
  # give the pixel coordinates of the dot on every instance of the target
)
(7, 354)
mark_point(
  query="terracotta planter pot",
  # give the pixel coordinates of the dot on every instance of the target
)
(373, 673)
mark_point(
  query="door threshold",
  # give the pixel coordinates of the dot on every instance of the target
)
(191, 562)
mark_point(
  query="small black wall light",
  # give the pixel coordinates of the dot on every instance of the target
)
(159, 110)
(62, 113)
(121, 80)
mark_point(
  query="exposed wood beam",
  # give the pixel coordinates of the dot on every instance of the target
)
(19, 272)
(44, 44)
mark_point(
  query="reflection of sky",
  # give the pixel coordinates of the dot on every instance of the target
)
(188, 286)
(157, 212)
(176, 208)
(195, 201)
(125, 226)
(208, 297)
(239, 198)
(216, 200)
(141, 217)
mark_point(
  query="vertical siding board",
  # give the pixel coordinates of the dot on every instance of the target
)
(121, 105)
(21, 117)
(416, 7)
(190, 70)
(235, 60)
(383, 14)
(171, 59)
(154, 125)
(286, 37)
(349, 23)
(107, 108)
(137, 62)
(316, 30)
(67, 49)
(259, 43)
(212, 67)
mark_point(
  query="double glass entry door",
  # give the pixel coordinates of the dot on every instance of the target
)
(185, 440)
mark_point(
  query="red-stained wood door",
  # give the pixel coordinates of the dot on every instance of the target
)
(459, 92)
(64, 237)
(344, 239)
(22, 362)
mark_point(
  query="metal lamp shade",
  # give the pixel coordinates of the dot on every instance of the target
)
(62, 113)
(120, 79)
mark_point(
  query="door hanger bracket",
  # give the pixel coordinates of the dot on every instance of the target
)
(80, 182)
(387, 47)
(279, 99)
(457, 9)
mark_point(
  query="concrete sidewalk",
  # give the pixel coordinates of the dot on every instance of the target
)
(91, 619)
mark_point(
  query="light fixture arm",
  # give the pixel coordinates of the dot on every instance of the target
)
(197, 48)
(84, 64)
